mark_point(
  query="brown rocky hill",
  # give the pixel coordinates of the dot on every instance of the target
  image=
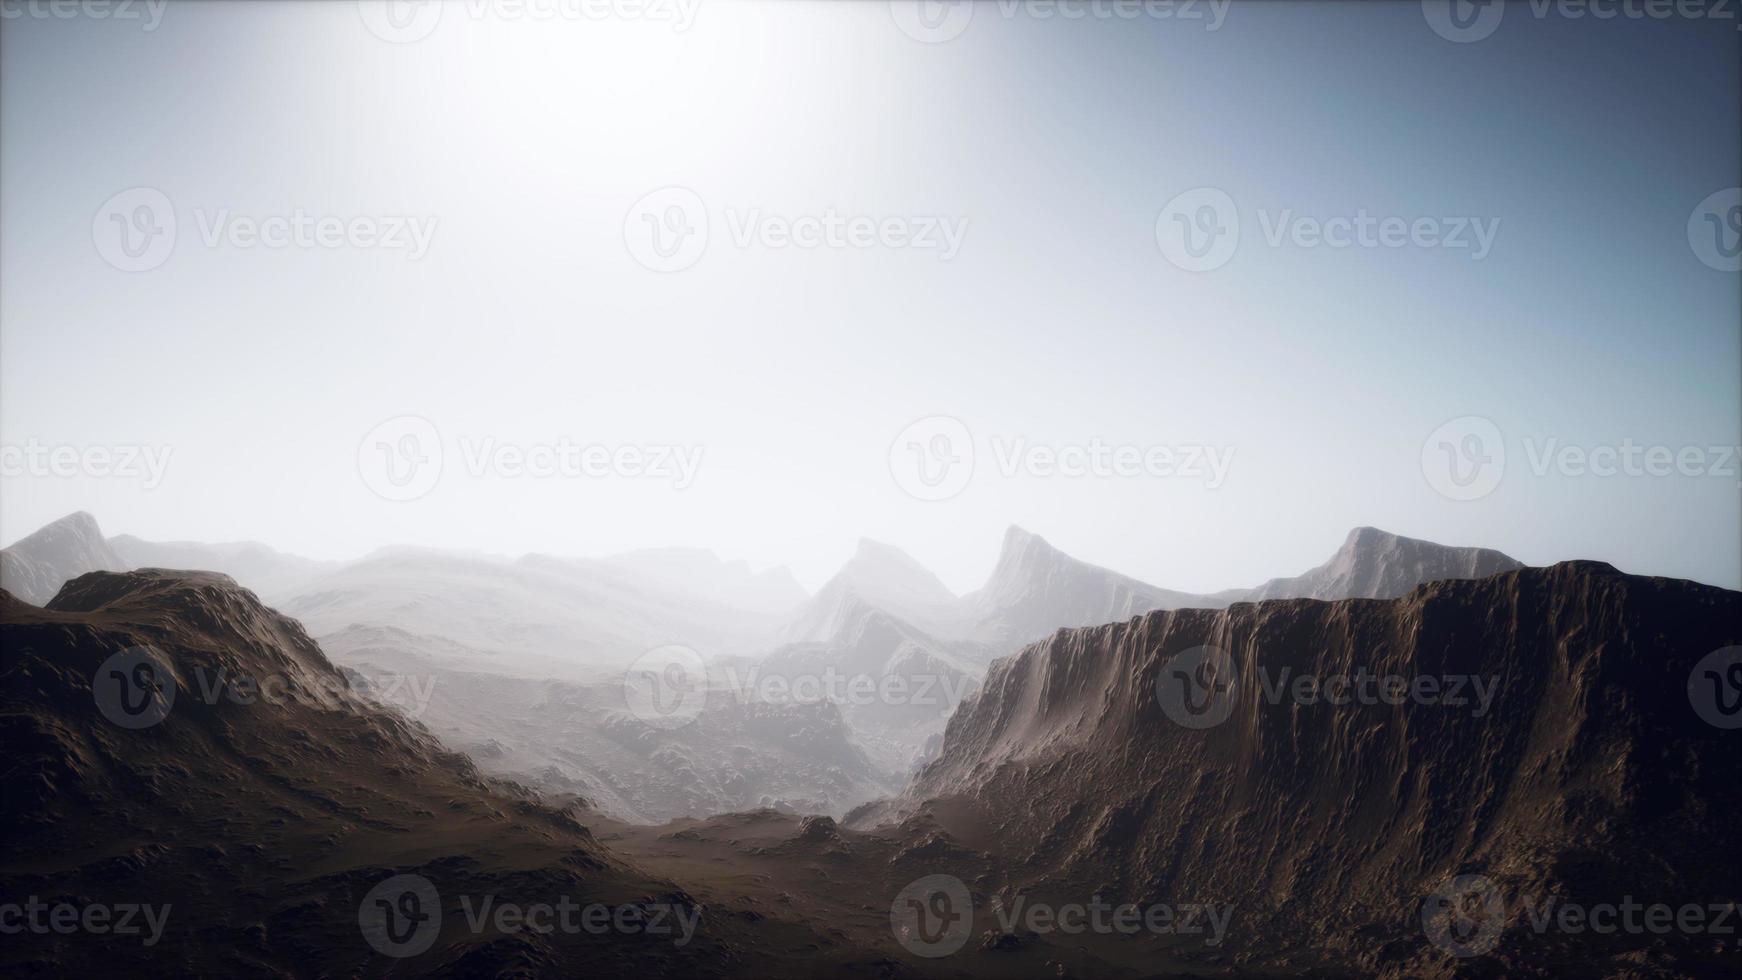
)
(232, 779)
(1130, 760)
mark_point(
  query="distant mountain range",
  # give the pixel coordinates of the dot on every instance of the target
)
(1036, 589)
(541, 644)
(587, 611)
(1572, 768)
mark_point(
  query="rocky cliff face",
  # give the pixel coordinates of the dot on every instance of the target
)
(1547, 742)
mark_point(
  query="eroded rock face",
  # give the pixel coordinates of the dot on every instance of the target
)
(1567, 760)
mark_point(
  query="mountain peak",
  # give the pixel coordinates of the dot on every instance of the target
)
(79, 525)
(1366, 535)
(1378, 564)
(879, 576)
(36, 565)
(871, 548)
(876, 563)
(1035, 588)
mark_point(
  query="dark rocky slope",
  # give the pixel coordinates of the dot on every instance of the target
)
(264, 823)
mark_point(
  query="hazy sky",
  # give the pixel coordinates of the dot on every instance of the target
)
(1566, 276)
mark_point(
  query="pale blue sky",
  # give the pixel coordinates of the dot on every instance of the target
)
(1590, 321)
